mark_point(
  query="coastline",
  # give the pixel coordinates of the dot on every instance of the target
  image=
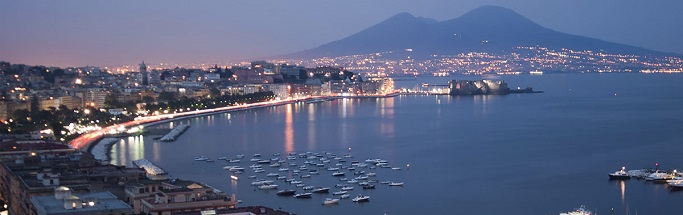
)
(90, 140)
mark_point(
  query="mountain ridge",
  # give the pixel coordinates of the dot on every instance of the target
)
(485, 29)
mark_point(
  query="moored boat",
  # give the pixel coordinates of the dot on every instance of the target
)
(321, 190)
(361, 198)
(286, 193)
(579, 211)
(396, 184)
(329, 201)
(303, 195)
(620, 175)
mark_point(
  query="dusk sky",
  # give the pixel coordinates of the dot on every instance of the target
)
(110, 33)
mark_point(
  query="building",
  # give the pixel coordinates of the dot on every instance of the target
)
(36, 169)
(143, 76)
(65, 202)
(480, 87)
(175, 196)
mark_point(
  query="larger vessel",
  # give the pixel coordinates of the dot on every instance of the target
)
(621, 174)
(579, 211)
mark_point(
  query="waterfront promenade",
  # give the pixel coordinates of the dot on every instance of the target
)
(85, 141)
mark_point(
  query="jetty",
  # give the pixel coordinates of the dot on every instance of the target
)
(173, 134)
(149, 167)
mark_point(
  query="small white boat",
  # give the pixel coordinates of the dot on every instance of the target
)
(347, 188)
(621, 174)
(361, 198)
(338, 174)
(240, 156)
(296, 182)
(332, 169)
(352, 181)
(275, 165)
(259, 170)
(396, 184)
(345, 196)
(283, 169)
(254, 166)
(235, 169)
(281, 177)
(303, 195)
(305, 176)
(339, 193)
(229, 167)
(308, 187)
(329, 201)
(257, 155)
(233, 161)
(259, 183)
(222, 158)
(201, 158)
(272, 175)
(268, 186)
(579, 211)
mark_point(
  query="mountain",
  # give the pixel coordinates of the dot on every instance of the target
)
(486, 29)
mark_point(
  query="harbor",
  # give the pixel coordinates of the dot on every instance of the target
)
(303, 175)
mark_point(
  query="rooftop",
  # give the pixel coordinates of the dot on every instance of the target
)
(103, 202)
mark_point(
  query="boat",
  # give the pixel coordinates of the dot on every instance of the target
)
(259, 170)
(361, 198)
(303, 195)
(338, 174)
(369, 186)
(260, 161)
(233, 161)
(340, 193)
(329, 201)
(201, 158)
(259, 183)
(396, 184)
(314, 101)
(281, 177)
(659, 177)
(240, 156)
(274, 165)
(352, 181)
(345, 196)
(235, 169)
(347, 188)
(396, 168)
(385, 182)
(305, 176)
(222, 158)
(254, 159)
(283, 169)
(296, 182)
(268, 186)
(257, 155)
(676, 185)
(308, 187)
(321, 190)
(254, 166)
(579, 211)
(285, 193)
(272, 175)
(332, 169)
(209, 160)
(229, 167)
(620, 175)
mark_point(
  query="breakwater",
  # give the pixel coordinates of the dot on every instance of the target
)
(173, 134)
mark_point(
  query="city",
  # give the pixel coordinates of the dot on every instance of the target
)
(291, 108)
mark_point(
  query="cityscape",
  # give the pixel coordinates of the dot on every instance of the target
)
(338, 133)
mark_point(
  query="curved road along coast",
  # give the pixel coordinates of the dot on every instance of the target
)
(85, 140)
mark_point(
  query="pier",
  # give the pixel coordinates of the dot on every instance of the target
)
(173, 134)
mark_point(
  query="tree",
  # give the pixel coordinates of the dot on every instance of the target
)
(35, 104)
(111, 101)
(214, 92)
(166, 96)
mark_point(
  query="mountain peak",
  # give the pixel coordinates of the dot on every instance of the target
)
(484, 29)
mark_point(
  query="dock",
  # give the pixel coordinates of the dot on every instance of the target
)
(173, 134)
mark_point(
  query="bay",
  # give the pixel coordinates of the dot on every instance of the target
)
(513, 154)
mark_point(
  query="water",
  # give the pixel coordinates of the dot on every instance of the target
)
(515, 154)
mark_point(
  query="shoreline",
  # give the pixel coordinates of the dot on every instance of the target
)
(99, 136)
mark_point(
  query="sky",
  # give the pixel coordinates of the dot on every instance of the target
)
(112, 33)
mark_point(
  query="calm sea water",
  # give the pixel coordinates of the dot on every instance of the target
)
(514, 154)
